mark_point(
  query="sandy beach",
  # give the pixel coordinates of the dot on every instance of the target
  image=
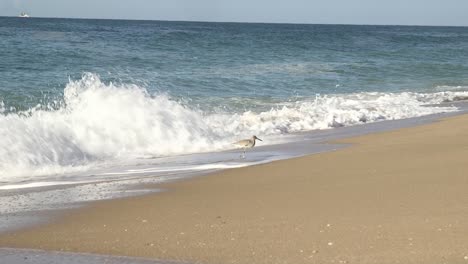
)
(393, 197)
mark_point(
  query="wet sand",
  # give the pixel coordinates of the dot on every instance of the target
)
(392, 197)
(21, 256)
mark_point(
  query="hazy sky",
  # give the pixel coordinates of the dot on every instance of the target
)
(406, 12)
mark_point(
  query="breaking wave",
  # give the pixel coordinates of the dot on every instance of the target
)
(97, 122)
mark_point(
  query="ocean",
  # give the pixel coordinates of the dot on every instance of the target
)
(85, 100)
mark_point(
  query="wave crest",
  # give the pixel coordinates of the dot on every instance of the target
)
(98, 122)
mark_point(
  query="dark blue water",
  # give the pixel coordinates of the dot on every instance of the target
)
(193, 60)
(75, 93)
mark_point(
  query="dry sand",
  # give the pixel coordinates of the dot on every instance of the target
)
(393, 197)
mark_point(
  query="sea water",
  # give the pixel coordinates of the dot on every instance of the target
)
(94, 100)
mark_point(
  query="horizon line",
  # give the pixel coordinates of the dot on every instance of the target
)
(233, 22)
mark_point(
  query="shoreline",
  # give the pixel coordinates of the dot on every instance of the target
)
(390, 196)
(45, 202)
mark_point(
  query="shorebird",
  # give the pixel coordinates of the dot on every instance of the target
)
(246, 143)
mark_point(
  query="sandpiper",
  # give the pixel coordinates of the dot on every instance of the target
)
(246, 143)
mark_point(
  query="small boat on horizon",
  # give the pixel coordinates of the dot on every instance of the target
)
(23, 14)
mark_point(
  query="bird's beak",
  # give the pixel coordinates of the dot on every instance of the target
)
(259, 139)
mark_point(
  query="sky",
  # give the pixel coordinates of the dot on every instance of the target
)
(376, 12)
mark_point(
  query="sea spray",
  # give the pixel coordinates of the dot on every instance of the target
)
(330, 111)
(96, 123)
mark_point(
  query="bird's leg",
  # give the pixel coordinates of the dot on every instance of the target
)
(243, 155)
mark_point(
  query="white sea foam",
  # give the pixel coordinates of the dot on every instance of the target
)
(98, 123)
(36, 184)
(335, 111)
